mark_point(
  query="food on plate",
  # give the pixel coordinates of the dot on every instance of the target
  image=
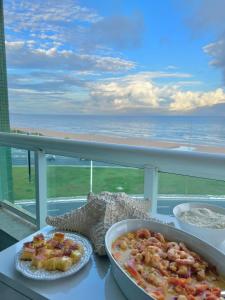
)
(56, 253)
(75, 255)
(50, 264)
(58, 263)
(63, 263)
(203, 217)
(166, 269)
(59, 236)
(38, 261)
(28, 253)
(38, 240)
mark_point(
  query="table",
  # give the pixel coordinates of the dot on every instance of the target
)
(95, 281)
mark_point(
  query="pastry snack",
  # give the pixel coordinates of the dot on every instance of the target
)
(56, 253)
(166, 269)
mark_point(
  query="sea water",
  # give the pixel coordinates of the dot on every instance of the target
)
(192, 130)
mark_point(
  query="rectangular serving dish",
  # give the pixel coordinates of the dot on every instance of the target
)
(125, 282)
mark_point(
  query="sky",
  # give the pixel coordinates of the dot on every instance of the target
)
(116, 57)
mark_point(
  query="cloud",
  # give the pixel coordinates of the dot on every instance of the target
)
(171, 67)
(148, 76)
(53, 81)
(157, 74)
(27, 100)
(217, 52)
(69, 24)
(46, 82)
(65, 35)
(26, 55)
(185, 101)
(120, 32)
(33, 15)
(208, 16)
(65, 57)
(140, 92)
(127, 94)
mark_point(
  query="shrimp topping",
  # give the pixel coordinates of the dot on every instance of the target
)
(181, 257)
(166, 270)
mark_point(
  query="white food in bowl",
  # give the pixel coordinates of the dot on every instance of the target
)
(203, 220)
(203, 217)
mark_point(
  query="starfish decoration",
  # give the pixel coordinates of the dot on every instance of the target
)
(101, 211)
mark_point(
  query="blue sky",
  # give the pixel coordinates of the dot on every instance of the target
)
(116, 57)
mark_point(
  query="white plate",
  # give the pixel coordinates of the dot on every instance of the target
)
(128, 285)
(25, 268)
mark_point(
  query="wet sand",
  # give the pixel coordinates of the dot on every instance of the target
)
(126, 141)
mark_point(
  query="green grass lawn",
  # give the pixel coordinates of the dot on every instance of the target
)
(66, 181)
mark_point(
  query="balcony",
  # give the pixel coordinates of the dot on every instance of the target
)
(140, 171)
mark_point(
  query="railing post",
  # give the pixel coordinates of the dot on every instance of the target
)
(151, 187)
(41, 187)
(91, 175)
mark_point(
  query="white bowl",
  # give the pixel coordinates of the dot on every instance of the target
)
(213, 236)
(128, 286)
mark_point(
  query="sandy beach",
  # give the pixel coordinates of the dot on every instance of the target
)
(125, 140)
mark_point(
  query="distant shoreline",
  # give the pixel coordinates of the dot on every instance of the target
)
(125, 140)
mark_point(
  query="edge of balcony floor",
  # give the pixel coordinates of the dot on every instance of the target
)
(15, 226)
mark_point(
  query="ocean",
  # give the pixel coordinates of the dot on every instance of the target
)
(191, 130)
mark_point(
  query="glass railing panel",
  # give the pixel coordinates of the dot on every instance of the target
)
(17, 176)
(71, 179)
(6, 171)
(68, 183)
(175, 189)
(114, 178)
